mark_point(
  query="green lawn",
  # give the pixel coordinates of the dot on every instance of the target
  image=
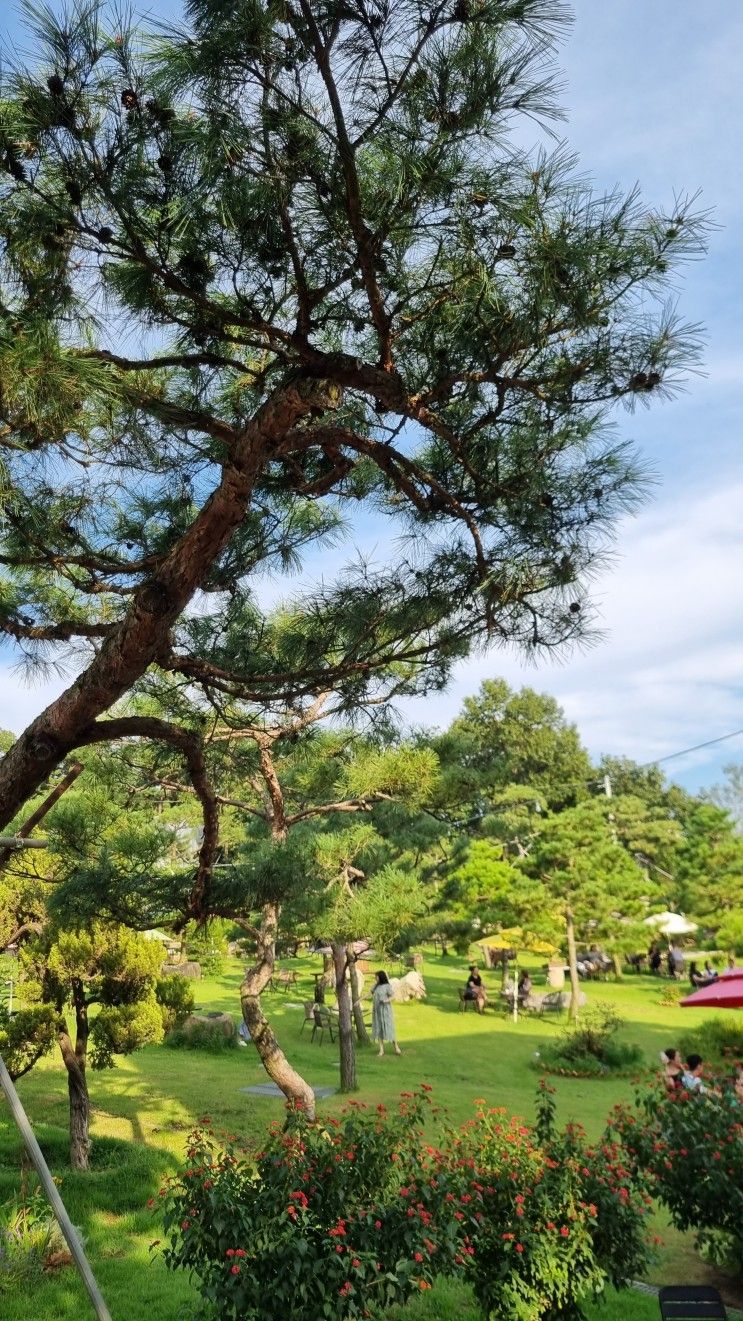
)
(144, 1108)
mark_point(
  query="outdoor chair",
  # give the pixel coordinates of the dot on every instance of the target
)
(309, 1014)
(464, 1003)
(550, 1003)
(681, 1302)
(286, 978)
(322, 1020)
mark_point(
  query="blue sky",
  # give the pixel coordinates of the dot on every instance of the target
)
(654, 95)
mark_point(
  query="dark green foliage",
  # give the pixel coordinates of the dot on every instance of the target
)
(364, 305)
(590, 1049)
(718, 1039)
(176, 998)
(202, 1036)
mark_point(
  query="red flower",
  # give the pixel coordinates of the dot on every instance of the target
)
(519, 1247)
(565, 1231)
(234, 1270)
(417, 1256)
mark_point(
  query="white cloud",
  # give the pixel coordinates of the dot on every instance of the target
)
(669, 672)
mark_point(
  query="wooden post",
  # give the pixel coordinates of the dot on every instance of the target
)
(55, 1201)
(13, 842)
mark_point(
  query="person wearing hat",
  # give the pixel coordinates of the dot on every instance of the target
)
(474, 990)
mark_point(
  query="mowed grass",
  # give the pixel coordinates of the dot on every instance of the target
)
(145, 1107)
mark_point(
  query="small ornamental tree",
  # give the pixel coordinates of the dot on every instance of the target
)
(101, 965)
(240, 260)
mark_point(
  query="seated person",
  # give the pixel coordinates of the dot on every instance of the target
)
(709, 971)
(696, 977)
(672, 1070)
(524, 986)
(655, 959)
(691, 1078)
(474, 990)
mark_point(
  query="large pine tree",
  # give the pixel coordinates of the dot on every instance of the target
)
(272, 274)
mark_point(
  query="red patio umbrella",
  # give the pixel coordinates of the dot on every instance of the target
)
(725, 992)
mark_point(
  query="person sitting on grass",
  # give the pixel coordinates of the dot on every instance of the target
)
(710, 972)
(474, 990)
(672, 1070)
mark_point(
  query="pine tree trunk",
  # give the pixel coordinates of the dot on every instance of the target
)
(618, 969)
(346, 1043)
(362, 1035)
(573, 965)
(292, 1084)
(136, 640)
(75, 1061)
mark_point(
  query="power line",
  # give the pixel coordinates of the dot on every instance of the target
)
(697, 746)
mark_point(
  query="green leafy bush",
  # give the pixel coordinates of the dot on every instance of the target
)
(26, 1036)
(176, 998)
(690, 1148)
(718, 1040)
(202, 1036)
(121, 1029)
(363, 1214)
(590, 1048)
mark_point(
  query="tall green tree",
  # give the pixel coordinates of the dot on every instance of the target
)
(593, 884)
(503, 740)
(238, 260)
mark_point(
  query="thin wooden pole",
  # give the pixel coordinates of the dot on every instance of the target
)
(50, 1188)
(40, 813)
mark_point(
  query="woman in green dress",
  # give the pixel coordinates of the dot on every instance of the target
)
(383, 1020)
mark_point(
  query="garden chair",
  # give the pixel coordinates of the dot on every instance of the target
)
(682, 1302)
(309, 1014)
(464, 1003)
(551, 1004)
(322, 1020)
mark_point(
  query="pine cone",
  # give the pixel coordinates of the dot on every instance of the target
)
(129, 99)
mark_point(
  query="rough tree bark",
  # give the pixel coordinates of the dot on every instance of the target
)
(75, 1061)
(134, 643)
(572, 964)
(346, 1043)
(256, 979)
(362, 1035)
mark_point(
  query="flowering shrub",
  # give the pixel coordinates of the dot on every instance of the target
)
(555, 1219)
(347, 1219)
(690, 1149)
